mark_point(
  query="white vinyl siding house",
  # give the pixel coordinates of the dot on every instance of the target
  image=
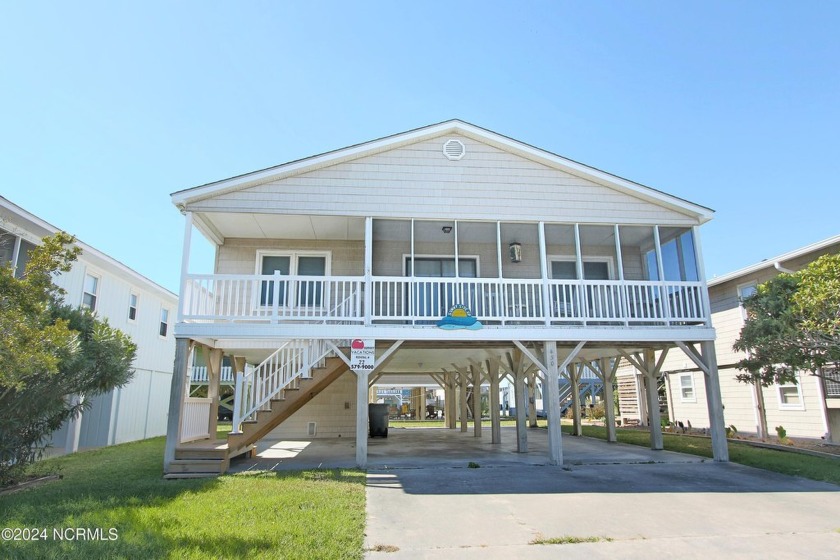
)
(550, 260)
(805, 409)
(96, 281)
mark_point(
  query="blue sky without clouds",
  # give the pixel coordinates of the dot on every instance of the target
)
(108, 107)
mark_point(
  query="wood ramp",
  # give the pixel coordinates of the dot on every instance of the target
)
(208, 458)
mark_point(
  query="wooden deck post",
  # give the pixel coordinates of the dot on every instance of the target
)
(476, 400)
(651, 376)
(520, 399)
(720, 447)
(532, 399)
(462, 399)
(361, 418)
(552, 396)
(495, 409)
(176, 400)
(214, 376)
(574, 379)
(608, 373)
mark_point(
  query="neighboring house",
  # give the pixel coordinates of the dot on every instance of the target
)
(449, 253)
(130, 302)
(810, 408)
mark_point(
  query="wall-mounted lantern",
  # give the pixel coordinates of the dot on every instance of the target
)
(515, 252)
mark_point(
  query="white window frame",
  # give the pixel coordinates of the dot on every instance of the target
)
(689, 375)
(136, 305)
(740, 287)
(572, 258)
(167, 322)
(98, 278)
(293, 255)
(406, 258)
(790, 406)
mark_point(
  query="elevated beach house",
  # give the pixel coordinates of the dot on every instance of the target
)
(450, 252)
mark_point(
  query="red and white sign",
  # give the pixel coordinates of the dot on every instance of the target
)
(362, 354)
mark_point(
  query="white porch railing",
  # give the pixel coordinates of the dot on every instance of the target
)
(281, 370)
(198, 375)
(397, 300)
(274, 298)
(195, 421)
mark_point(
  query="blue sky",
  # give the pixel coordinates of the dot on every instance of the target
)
(108, 107)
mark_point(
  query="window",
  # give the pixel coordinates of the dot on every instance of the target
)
(90, 292)
(307, 293)
(679, 262)
(687, 388)
(745, 291)
(790, 397)
(566, 269)
(164, 322)
(441, 267)
(132, 307)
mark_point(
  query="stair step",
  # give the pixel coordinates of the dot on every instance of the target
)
(175, 476)
(209, 466)
(201, 454)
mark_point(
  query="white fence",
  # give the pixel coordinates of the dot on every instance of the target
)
(195, 422)
(399, 300)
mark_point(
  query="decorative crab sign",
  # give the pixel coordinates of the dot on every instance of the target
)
(362, 354)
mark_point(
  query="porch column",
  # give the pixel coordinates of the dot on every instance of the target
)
(520, 400)
(495, 409)
(720, 448)
(651, 375)
(532, 399)
(551, 393)
(476, 400)
(214, 375)
(185, 265)
(362, 378)
(176, 400)
(368, 302)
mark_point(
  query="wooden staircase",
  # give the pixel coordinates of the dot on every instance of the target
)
(211, 458)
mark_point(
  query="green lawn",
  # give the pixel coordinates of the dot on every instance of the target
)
(308, 514)
(785, 462)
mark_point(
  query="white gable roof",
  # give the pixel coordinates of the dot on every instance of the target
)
(195, 196)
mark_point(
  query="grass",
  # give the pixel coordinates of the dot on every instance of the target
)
(300, 514)
(569, 540)
(785, 462)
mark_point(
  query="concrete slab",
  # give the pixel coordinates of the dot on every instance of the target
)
(440, 447)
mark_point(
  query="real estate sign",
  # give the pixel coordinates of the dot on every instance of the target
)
(362, 354)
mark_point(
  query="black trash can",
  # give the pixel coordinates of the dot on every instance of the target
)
(378, 419)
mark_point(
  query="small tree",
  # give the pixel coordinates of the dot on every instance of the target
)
(792, 324)
(49, 353)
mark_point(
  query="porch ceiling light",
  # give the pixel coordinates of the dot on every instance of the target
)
(515, 252)
(446, 229)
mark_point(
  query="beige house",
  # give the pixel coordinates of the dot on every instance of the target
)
(448, 253)
(810, 408)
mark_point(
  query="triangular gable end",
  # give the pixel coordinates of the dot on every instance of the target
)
(451, 169)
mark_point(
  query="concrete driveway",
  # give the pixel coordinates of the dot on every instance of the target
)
(424, 502)
(636, 502)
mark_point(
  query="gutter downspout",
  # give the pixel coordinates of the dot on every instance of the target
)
(778, 266)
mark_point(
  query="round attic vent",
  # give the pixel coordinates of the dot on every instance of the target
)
(454, 149)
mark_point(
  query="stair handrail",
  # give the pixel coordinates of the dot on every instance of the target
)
(255, 389)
